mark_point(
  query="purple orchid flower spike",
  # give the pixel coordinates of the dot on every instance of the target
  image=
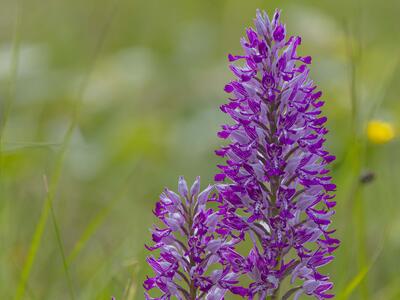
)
(277, 189)
(191, 264)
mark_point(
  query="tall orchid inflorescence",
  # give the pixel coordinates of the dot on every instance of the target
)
(191, 264)
(278, 189)
(274, 188)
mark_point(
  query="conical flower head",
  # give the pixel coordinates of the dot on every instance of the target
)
(277, 188)
(191, 264)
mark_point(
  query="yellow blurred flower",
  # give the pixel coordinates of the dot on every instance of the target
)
(380, 132)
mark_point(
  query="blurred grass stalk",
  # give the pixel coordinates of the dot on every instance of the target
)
(55, 178)
(46, 209)
(357, 156)
(5, 112)
(358, 160)
(355, 282)
(131, 287)
(95, 223)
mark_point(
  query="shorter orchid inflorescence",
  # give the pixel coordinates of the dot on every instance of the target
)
(190, 264)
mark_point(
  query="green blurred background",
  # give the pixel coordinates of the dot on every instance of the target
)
(103, 103)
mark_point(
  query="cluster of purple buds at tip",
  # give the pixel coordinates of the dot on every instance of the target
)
(192, 250)
(275, 185)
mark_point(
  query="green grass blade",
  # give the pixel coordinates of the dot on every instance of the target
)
(358, 161)
(354, 283)
(34, 246)
(10, 147)
(39, 230)
(132, 285)
(47, 206)
(94, 224)
(5, 108)
(60, 246)
(358, 279)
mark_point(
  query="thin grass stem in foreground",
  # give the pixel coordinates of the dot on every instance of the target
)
(54, 179)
